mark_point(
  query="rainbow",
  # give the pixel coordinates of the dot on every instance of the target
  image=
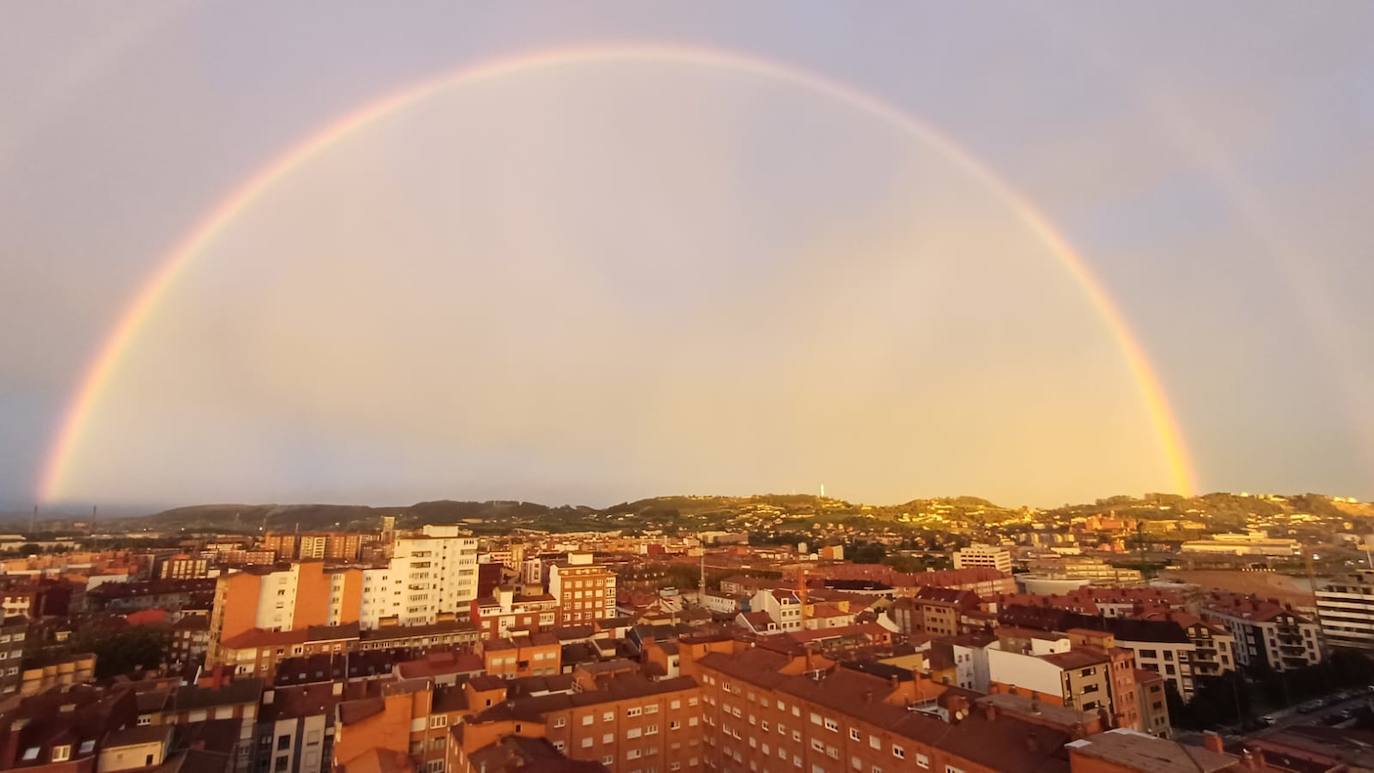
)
(102, 367)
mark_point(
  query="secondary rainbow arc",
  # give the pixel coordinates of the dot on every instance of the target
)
(102, 367)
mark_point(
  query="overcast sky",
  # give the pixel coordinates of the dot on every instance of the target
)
(610, 279)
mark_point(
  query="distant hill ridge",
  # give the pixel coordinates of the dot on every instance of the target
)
(512, 514)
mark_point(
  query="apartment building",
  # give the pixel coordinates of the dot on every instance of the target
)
(14, 631)
(330, 546)
(1048, 667)
(536, 654)
(782, 606)
(295, 728)
(584, 589)
(291, 597)
(56, 670)
(1214, 648)
(1253, 543)
(431, 577)
(988, 556)
(1345, 611)
(505, 612)
(257, 652)
(624, 722)
(183, 567)
(935, 611)
(1267, 634)
(1160, 646)
(766, 710)
(399, 725)
(285, 547)
(1153, 703)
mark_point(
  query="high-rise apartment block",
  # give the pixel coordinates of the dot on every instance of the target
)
(584, 589)
(988, 556)
(1345, 609)
(432, 576)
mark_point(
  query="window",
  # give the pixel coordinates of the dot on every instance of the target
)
(608, 760)
(922, 761)
(608, 716)
(61, 753)
(441, 720)
(588, 719)
(283, 742)
(832, 725)
(608, 738)
(875, 742)
(952, 769)
(633, 732)
(674, 725)
(898, 752)
(632, 754)
(587, 742)
(560, 722)
(675, 705)
(854, 734)
(652, 708)
(651, 728)
(815, 718)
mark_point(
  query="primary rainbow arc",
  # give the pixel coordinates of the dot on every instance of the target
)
(103, 366)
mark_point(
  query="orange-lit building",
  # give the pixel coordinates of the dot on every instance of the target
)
(536, 654)
(623, 721)
(290, 597)
(585, 590)
(769, 710)
(504, 612)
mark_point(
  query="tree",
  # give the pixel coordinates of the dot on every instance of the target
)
(124, 651)
(865, 553)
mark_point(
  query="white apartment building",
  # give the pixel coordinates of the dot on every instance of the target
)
(1266, 633)
(432, 575)
(990, 556)
(1345, 610)
(781, 605)
(1254, 543)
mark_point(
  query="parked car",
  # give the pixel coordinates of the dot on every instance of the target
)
(1270, 719)
(1309, 707)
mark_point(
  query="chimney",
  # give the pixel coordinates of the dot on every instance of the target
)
(1212, 742)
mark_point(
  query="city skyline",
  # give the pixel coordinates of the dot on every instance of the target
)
(613, 256)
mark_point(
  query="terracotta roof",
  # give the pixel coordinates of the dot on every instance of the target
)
(1131, 750)
(352, 712)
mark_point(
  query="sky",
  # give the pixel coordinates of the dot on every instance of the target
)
(673, 248)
